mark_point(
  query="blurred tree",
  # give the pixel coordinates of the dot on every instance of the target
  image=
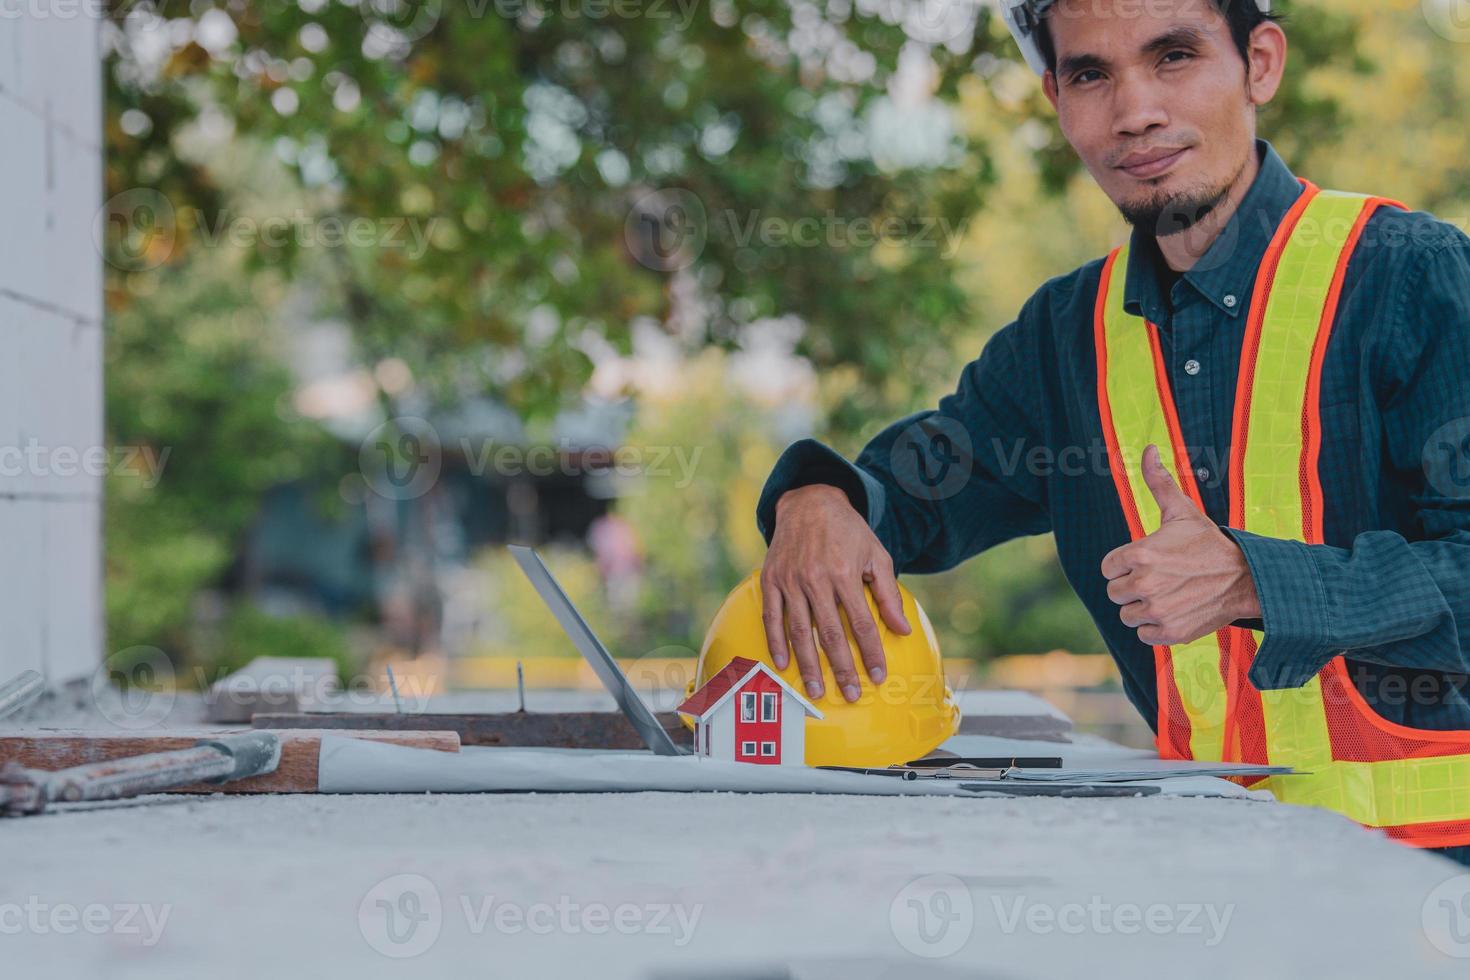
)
(529, 179)
(695, 522)
(569, 165)
(196, 384)
(572, 163)
(519, 624)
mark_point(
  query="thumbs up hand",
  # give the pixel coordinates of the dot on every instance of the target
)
(1186, 580)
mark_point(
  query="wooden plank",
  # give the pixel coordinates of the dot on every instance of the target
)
(297, 773)
(563, 729)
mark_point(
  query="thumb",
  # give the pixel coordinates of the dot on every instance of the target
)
(1173, 504)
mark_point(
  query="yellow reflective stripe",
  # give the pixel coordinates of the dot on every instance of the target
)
(1138, 421)
(1296, 725)
(1273, 453)
(1296, 721)
(1133, 394)
(1391, 793)
(1384, 794)
(1202, 691)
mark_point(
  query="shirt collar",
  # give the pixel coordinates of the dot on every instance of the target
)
(1226, 273)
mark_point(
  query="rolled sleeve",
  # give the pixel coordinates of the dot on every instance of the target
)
(1294, 611)
(810, 462)
(975, 495)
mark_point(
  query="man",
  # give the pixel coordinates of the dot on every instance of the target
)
(1301, 594)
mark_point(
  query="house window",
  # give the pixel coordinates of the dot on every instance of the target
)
(768, 748)
(747, 748)
(747, 706)
(768, 706)
(705, 726)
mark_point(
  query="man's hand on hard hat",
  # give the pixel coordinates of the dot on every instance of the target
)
(1186, 580)
(822, 556)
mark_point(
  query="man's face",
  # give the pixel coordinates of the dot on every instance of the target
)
(1152, 95)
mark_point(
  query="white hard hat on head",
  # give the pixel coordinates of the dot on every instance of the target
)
(1023, 18)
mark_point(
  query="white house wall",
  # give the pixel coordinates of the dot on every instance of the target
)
(793, 736)
(722, 731)
(50, 340)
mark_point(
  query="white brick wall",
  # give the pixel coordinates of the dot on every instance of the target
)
(50, 340)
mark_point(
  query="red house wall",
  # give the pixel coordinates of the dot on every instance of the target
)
(758, 731)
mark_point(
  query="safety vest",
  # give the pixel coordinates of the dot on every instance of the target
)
(1413, 784)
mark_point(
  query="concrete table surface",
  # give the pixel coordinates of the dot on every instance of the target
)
(719, 885)
(715, 885)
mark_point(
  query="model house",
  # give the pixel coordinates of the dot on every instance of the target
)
(746, 713)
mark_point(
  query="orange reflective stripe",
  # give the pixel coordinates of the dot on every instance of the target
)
(1247, 742)
(1184, 471)
(1172, 737)
(1136, 409)
(1251, 348)
(1430, 834)
(1311, 480)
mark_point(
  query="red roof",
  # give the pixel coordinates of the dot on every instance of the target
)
(701, 700)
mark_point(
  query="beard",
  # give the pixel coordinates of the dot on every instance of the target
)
(1162, 215)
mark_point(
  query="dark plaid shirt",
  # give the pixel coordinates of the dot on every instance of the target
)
(1018, 450)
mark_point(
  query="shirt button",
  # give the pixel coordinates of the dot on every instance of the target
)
(1191, 368)
(1203, 474)
(1230, 300)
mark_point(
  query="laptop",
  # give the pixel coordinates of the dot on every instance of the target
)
(633, 707)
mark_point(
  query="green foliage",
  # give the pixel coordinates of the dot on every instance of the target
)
(522, 148)
(196, 382)
(519, 623)
(699, 456)
(247, 632)
(528, 142)
(698, 538)
(695, 516)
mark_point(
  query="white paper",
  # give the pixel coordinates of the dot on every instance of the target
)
(351, 765)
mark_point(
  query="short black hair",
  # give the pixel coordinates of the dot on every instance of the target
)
(1243, 17)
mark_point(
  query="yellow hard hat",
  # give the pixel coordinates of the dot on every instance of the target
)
(903, 719)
